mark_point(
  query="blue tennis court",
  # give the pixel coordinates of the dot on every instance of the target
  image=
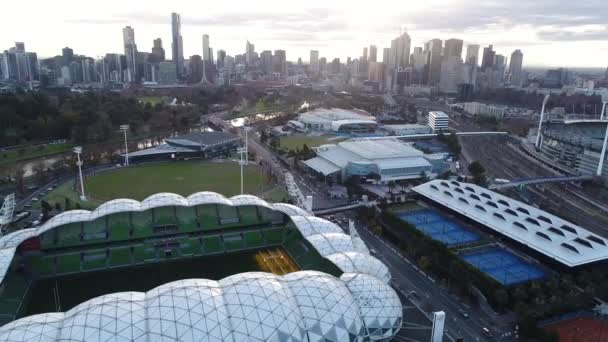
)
(439, 227)
(504, 266)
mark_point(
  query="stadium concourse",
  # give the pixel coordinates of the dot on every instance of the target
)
(341, 295)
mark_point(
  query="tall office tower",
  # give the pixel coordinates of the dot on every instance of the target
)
(386, 52)
(19, 47)
(266, 61)
(515, 68)
(453, 47)
(128, 36)
(433, 47)
(472, 54)
(196, 69)
(335, 66)
(419, 59)
(280, 62)
(157, 50)
(487, 60)
(375, 72)
(177, 45)
(364, 57)
(68, 55)
(400, 51)
(314, 61)
(322, 64)
(500, 64)
(452, 74)
(206, 49)
(373, 53)
(221, 56)
(249, 54)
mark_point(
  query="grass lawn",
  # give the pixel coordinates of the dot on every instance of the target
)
(295, 142)
(276, 194)
(7, 157)
(67, 191)
(183, 178)
(152, 100)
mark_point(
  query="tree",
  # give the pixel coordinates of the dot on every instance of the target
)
(391, 186)
(46, 208)
(477, 171)
(68, 204)
(501, 296)
(424, 262)
(263, 137)
(57, 206)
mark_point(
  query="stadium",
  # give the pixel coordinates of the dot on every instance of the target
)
(575, 143)
(336, 120)
(319, 284)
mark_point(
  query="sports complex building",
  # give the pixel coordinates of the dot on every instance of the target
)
(338, 292)
(193, 145)
(575, 143)
(335, 120)
(544, 234)
(390, 159)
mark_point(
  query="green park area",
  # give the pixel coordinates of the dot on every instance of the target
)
(183, 178)
(297, 141)
(30, 152)
(152, 100)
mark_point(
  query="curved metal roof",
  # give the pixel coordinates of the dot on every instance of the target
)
(301, 306)
(548, 234)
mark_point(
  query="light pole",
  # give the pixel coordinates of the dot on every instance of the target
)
(243, 151)
(124, 129)
(78, 151)
(604, 102)
(540, 123)
(600, 165)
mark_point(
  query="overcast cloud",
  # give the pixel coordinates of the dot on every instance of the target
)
(549, 32)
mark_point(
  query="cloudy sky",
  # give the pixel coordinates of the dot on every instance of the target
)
(549, 32)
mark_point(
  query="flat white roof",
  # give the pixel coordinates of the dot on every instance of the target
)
(322, 166)
(373, 149)
(548, 234)
(439, 115)
(324, 115)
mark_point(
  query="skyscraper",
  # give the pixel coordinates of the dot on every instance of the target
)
(515, 68)
(373, 53)
(453, 48)
(433, 48)
(386, 52)
(221, 56)
(280, 62)
(157, 50)
(177, 46)
(249, 53)
(266, 61)
(364, 57)
(452, 73)
(314, 61)
(196, 69)
(487, 61)
(206, 50)
(67, 54)
(20, 47)
(128, 36)
(400, 51)
(472, 54)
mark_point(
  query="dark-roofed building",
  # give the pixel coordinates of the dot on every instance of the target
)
(192, 145)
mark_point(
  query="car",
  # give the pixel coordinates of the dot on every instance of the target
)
(463, 313)
(35, 199)
(35, 223)
(373, 251)
(486, 332)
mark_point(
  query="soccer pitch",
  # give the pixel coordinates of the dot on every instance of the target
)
(183, 178)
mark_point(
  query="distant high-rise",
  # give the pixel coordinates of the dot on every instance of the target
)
(196, 68)
(472, 54)
(364, 57)
(221, 56)
(280, 62)
(433, 47)
(157, 50)
(20, 47)
(177, 46)
(266, 61)
(335, 66)
(128, 36)
(453, 48)
(487, 61)
(452, 74)
(386, 52)
(249, 53)
(373, 53)
(400, 52)
(67, 54)
(515, 68)
(206, 49)
(314, 61)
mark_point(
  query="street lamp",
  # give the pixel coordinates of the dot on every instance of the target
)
(124, 129)
(78, 151)
(540, 123)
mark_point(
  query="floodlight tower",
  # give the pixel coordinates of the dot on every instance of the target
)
(124, 129)
(604, 102)
(78, 151)
(540, 123)
(600, 165)
(244, 152)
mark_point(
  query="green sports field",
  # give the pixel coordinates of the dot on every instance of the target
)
(184, 178)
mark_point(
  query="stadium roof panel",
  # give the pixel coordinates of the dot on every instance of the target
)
(322, 166)
(548, 234)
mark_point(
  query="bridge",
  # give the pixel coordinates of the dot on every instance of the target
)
(434, 135)
(539, 180)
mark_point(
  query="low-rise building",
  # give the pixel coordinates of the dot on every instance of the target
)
(438, 121)
(482, 109)
(409, 129)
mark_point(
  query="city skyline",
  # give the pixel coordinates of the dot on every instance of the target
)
(557, 38)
